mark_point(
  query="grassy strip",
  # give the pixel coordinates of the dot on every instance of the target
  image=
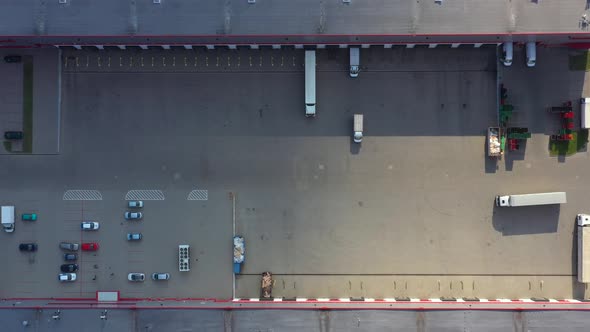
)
(579, 62)
(568, 148)
(8, 146)
(28, 104)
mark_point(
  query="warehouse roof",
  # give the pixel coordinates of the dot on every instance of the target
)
(284, 17)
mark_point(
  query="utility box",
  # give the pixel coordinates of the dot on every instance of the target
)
(184, 258)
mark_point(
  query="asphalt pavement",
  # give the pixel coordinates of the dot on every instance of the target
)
(409, 212)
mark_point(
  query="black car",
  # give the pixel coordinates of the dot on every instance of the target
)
(70, 257)
(66, 268)
(13, 58)
(13, 135)
(27, 247)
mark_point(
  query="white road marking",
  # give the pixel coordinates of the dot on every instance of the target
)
(82, 195)
(146, 195)
(198, 195)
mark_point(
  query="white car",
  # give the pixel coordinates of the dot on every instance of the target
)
(90, 225)
(133, 215)
(137, 277)
(67, 277)
(135, 204)
(160, 276)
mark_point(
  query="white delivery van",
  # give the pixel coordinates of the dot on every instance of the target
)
(8, 218)
(310, 83)
(585, 113)
(358, 128)
(354, 61)
(506, 57)
(531, 54)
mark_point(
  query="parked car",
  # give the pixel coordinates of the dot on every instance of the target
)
(66, 277)
(134, 236)
(69, 246)
(13, 135)
(28, 217)
(133, 215)
(89, 225)
(13, 58)
(90, 246)
(69, 267)
(136, 276)
(70, 257)
(135, 204)
(27, 247)
(160, 276)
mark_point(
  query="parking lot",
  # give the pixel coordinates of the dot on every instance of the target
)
(30, 100)
(408, 213)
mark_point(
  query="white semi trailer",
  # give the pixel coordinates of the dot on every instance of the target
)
(531, 199)
(585, 113)
(583, 248)
(309, 83)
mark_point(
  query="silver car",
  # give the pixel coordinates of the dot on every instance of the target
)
(69, 246)
(160, 276)
(133, 215)
(90, 225)
(137, 277)
(66, 277)
(135, 204)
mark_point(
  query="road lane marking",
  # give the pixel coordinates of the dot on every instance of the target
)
(82, 195)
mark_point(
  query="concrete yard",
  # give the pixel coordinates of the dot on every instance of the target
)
(408, 213)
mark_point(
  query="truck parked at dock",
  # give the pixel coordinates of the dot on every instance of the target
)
(494, 142)
(354, 61)
(310, 83)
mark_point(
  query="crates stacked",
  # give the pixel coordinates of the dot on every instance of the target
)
(184, 257)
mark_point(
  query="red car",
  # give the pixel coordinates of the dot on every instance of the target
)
(90, 246)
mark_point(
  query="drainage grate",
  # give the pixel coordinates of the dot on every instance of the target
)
(82, 195)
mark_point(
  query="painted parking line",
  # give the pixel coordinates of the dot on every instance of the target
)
(198, 195)
(146, 195)
(185, 60)
(82, 195)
